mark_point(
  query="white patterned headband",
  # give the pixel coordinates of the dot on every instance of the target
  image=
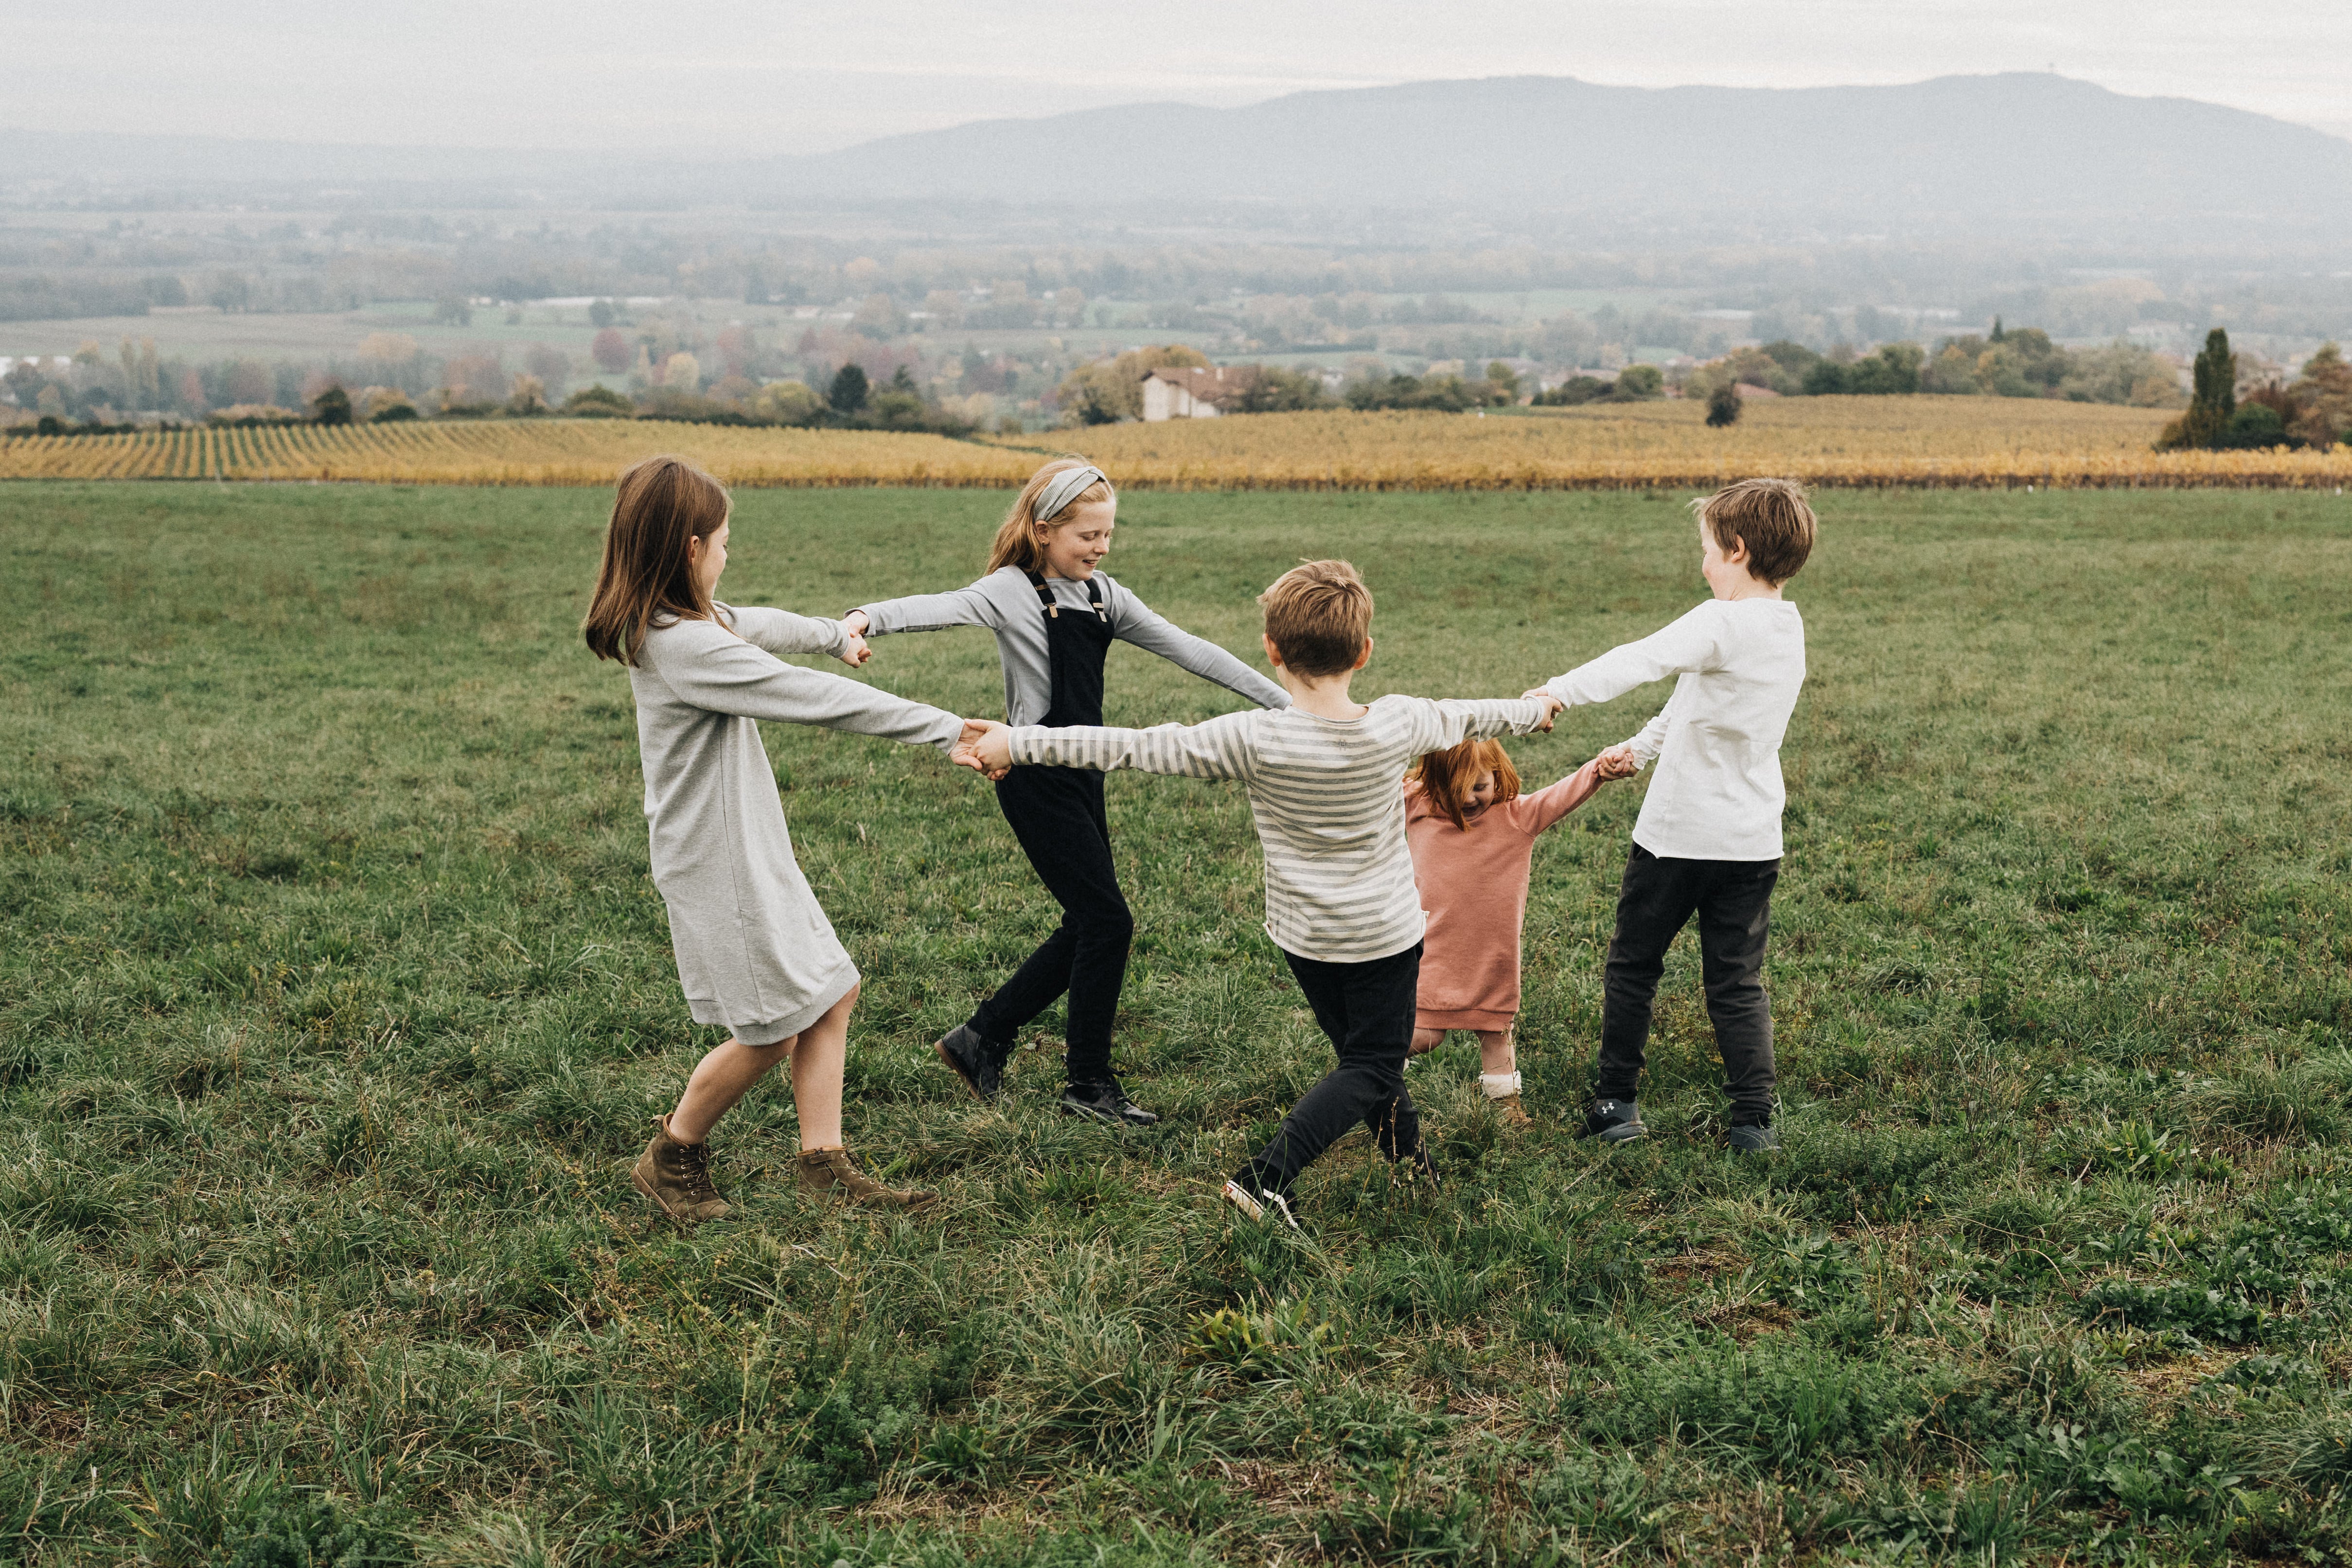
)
(1064, 488)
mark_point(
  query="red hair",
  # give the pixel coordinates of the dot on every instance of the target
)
(1447, 777)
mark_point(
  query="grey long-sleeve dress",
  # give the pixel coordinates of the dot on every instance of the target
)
(754, 951)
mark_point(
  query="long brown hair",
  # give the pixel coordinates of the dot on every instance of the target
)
(1447, 777)
(1016, 537)
(661, 507)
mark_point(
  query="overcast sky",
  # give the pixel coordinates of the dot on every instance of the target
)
(729, 75)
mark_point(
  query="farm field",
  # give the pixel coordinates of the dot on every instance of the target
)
(1939, 440)
(334, 1000)
(1851, 441)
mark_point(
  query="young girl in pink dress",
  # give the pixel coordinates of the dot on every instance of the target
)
(1473, 837)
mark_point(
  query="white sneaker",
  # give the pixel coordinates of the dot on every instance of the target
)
(1259, 1207)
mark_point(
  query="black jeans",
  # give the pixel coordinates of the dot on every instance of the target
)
(1366, 1009)
(1057, 815)
(1733, 901)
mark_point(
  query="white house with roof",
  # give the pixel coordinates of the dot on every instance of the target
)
(1194, 393)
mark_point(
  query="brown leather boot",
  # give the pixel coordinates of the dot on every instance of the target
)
(831, 1173)
(676, 1176)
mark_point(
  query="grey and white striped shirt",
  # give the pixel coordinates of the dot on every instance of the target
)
(1338, 878)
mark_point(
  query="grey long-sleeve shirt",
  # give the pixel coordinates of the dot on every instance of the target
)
(755, 952)
(1006, 603)
(1339, 875)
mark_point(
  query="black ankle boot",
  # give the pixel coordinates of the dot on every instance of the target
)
(976, 1059)
(1105, 1102)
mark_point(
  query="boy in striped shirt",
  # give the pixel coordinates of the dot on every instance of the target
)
(1340, 901)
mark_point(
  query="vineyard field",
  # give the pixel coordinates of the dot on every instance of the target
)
(1962, 443)
(1924, 441)
(582, 452)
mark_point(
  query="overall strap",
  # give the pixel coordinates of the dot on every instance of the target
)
(1044, 596)
(1053, 607)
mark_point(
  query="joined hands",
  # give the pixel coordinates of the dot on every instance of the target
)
(985, 747)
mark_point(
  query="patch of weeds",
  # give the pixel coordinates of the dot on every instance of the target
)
(1609, 1499)
(1273, 1341)
(1774, 1405)
(2200, 1313)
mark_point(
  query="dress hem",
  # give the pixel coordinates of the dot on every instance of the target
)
(771, 1031)
(1464, 1018)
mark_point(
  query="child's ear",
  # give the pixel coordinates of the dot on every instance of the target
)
(1273, 654)
(1365, 657)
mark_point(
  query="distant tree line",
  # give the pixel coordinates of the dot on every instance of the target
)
(2006, 362)
(2314, 410)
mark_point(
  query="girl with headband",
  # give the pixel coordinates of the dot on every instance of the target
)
(1055, 613)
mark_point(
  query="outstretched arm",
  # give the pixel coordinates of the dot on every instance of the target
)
(1218, 749)
(1690, 643)
(1137, 622)
(710, 669)
(782, 632)
(1450, 721)
(1642, 748)
(1543, 811)
(927, 613)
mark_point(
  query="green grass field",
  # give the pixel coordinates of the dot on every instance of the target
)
(335, 1000)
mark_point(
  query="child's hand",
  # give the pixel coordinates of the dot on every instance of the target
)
(985, 747)
(1617, 762)
(1552, 706)
(854, 651)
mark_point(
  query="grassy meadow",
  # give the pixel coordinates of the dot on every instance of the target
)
(335, 1000)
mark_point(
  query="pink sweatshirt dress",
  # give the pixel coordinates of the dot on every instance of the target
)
(1473, 887)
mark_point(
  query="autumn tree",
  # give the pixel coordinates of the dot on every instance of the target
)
(610, 351)
(2324, 389)
(848, 389)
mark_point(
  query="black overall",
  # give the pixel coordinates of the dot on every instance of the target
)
(1057, 815)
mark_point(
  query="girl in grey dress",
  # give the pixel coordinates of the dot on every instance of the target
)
(755, 953)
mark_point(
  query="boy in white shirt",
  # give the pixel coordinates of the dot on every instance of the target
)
(1709, 839)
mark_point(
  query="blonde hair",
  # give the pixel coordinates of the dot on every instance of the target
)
(1446, 777)
(1318, 615)
(1016, 537)
(659, 508)
(1771, 517)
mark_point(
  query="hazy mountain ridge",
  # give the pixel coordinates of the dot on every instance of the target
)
(1955, 149)
(1994, 156)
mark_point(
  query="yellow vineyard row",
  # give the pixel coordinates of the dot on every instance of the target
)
(1927, 440)
(534, 452)
(1827, 440)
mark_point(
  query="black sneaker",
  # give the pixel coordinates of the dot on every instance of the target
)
(1105, 1102)
(976, 1059)
(1614, 1120)
(1750, 1138)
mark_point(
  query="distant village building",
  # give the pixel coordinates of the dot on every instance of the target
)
(1192, 393)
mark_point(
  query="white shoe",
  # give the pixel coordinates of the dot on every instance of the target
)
(1259, 1207)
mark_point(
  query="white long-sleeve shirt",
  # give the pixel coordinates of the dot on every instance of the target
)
(1330, 818)
(1739, 664)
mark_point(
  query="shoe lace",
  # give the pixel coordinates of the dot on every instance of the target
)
(694, 1169)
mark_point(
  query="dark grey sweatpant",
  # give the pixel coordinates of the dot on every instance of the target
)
(1733, 901)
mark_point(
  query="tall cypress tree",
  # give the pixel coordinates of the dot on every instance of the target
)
(2214, 394)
